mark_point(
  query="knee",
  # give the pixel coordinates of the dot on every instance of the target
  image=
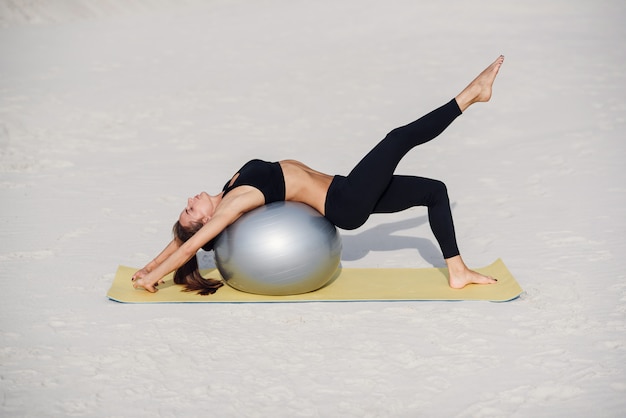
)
(397, 134)
(394, 132)
(439, 192)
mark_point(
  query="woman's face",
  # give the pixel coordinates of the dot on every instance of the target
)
(199, 208)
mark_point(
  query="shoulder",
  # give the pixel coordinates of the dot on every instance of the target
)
(240, 200)
(232, 207)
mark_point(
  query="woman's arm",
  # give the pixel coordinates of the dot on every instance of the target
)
(182, 254)
(230, 209)
(163, 255)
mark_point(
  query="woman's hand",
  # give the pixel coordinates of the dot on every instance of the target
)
(141, 279)
(139, 274)
(146, 284)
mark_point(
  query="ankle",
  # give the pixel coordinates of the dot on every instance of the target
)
(463, 101)
(456, 264)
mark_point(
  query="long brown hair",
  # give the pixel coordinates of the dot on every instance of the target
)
(189, 274)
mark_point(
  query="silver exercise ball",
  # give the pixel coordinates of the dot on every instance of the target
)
(283, 248)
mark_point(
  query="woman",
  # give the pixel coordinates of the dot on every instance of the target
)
(371, 187)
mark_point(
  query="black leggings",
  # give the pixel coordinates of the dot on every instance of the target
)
(371, 187)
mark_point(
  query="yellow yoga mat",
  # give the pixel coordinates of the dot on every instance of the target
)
(350, 284)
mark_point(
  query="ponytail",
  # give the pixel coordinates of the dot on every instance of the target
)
(189, 274)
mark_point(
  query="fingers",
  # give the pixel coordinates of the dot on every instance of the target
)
(139, 282)
(139, 274)
(149, 288)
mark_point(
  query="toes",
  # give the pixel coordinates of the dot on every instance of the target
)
(484, 280)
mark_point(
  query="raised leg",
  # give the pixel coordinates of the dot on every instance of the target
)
(351, 200)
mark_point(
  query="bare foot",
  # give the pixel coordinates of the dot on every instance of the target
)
(460, 276)
(479, 90)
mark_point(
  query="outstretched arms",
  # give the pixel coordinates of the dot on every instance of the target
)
(163, 255)
(239, 201)
(180, 255)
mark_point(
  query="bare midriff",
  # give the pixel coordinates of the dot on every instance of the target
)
(303, 184)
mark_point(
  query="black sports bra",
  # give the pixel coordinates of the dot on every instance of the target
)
(265, 176)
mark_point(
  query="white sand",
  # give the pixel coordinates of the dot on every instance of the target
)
(112, 114)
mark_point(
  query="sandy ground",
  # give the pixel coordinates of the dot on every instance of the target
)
(112, 113)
